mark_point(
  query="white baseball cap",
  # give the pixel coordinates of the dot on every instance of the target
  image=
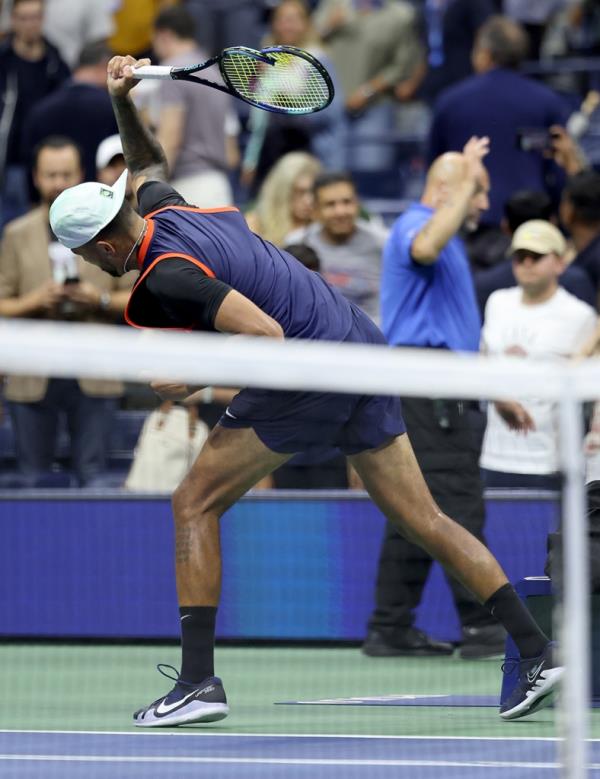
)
(108, 149)
(79, 213)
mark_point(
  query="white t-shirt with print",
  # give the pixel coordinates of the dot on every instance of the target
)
(553, 329)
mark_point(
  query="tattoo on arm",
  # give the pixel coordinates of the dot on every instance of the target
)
(143, 154)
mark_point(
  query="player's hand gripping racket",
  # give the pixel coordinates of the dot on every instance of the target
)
(282, 79)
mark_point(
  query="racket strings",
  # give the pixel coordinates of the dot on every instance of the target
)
(291, 83)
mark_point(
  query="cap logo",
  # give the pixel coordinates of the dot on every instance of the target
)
(106, 192)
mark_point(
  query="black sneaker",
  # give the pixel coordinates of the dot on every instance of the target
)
(404, 643)
(204, 702)
(486, 641)
(538, 678)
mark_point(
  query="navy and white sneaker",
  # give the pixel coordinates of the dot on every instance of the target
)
(538, 679)
(203, 702)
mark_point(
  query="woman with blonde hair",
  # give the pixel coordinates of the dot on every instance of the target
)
(285, 200)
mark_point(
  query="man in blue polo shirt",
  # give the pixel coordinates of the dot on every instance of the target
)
(428, 301)
(205, 270)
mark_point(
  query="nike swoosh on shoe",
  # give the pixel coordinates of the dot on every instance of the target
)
(163, 708)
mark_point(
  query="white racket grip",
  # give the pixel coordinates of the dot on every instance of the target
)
(152, 71)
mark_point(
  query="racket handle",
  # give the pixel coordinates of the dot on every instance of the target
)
(152, 71)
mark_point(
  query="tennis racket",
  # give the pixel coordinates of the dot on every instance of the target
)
(282, 79)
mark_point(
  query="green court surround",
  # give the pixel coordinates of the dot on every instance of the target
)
(97, 688)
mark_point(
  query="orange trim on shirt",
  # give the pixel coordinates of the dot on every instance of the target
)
(189, 257)
(192, 208)
(193, 260)
(141, 255)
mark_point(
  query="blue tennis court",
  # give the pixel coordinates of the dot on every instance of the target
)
(193, 753)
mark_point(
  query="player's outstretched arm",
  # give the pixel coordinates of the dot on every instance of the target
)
(144, 156)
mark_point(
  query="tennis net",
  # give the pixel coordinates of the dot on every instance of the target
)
(89, 605)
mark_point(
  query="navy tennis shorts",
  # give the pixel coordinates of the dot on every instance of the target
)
(289, 422)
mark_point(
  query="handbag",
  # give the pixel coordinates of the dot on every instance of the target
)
(168, 444)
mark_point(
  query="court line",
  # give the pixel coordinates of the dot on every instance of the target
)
(215, 734)
(281, 761)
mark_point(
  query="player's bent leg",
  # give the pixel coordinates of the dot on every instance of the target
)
(392, 477)
(231, 462)
(394, 480)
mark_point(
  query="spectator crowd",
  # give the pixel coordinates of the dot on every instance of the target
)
(452, 190)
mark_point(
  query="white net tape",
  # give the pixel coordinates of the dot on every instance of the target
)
(62, 349)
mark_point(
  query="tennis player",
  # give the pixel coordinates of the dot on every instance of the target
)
(205, 270)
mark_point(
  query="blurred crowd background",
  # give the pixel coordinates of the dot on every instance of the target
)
(391, 61)
(414, 79)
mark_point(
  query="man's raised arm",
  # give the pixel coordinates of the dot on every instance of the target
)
(144, 156)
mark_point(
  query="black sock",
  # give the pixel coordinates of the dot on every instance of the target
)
(510, 610)
(197, 642)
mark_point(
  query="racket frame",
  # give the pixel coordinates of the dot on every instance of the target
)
(187, 73)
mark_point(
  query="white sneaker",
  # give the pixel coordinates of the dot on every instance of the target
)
(538, 679)
(203, 702)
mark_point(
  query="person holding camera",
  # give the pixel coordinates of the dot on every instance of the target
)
(514, 111)
(39, 279)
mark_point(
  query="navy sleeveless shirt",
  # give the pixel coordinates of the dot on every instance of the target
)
(219, 243)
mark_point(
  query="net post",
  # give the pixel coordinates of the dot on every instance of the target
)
(574, 617)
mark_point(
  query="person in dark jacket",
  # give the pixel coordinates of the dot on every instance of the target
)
(80, 110)
(498, 102)
(580, 215)
(30, 69)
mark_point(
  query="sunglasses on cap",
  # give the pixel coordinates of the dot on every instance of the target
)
(520, 255)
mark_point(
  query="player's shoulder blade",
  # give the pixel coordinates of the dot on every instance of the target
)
(155, 195)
